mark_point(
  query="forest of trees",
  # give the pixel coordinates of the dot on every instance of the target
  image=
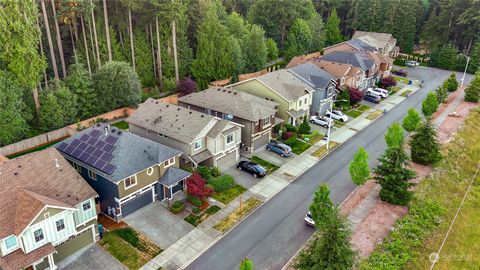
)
(58, 58)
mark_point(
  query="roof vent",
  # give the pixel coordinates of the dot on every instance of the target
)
(224, 90)
(19, 166)
(201, 115)
(229, 92)
(168, 105)
(190, 112)
(234, 93)
(56, 163)
(119, 133)
(178, 109)
(15, 173)
(156, 102)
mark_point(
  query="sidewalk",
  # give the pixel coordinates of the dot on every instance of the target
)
(195, 243)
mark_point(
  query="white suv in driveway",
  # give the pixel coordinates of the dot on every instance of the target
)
(321, 120)
(337, 115)
(377, 92)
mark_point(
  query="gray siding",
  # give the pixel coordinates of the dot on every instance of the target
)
(185, 148)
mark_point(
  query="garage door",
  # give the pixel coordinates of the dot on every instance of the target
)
(72, 245)
(324, 107)
(261, 141)
(137, 203)
(227, 161)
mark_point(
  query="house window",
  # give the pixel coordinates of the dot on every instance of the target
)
(300, 103)
(150, 171)
(148, 131)
(11, 242)
(169, 162)
(38, 235)
(77, 167)
(60, 224)
(266, 121)
(92, 175)
(306, 100)
(130, 182)
(86, 206)
(198, 144)
(230, 138)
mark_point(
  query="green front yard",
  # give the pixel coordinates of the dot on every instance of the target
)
(196, 219)
(353, 113)
(130, 248)
(265, 164)
(229, 195)
(299, 146)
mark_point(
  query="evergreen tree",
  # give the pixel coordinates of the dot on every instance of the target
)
(143, 59)
(333, 33)
(318, 32)
(80, 83)
(13, 113)
(401, 23)
(215, 53)
(272, 49)
(394, 135)
(451, 84)
(343, 100)
(254, 49)
(472, 92)
(444, 57)
(394, 176)
(59, 106)
(116, 85)
(304, 127)
(430, 104)
(299, 40)
(411, 122)
(369, 15)
(358, 168)
(322, 208)
(441, 93)
(425, 148)
(238, 58)
(474, 64)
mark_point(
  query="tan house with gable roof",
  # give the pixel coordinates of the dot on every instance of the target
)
(47, 211)
(385, 43)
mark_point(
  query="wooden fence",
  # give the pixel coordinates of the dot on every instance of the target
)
(413, 57)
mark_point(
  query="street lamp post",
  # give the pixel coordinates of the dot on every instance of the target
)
(465, 71)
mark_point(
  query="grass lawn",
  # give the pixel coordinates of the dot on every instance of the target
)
(127, 246)
(121, 125)
(406, 93)
(229, 195)
(234, 217)
(394, 90)
(197, 219)
(374, 115)
(299, 146)
(363, 108)
(322, 151)
(316, 138)
(401, 79)
(353, 113)
(265, 164)
(42, 147)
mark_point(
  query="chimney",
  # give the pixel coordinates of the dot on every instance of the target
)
(56, 163)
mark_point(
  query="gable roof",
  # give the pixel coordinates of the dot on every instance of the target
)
(378, 40)
(131, 153)
(361, 45)
(33, 181)
(19, 260)
(226, 100)
(285, 84)
(337, 70)
(356, 59)
(313, 74)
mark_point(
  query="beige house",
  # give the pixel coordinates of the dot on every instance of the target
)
(293, 96)
(384, 43)
(47, 211)
(203, 139)
(346, 75)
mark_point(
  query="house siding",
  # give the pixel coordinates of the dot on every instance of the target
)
(50, 211)
(153, 136)
(81, 216)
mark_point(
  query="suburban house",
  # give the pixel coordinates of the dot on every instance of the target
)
(345, 75)
(127, 171)
(292, 94)
(255, 114)
(47, 211)
(202, 138)
(383, 42)
(357, 59)
(323, 83)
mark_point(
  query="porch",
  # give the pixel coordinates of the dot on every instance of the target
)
(172, 185)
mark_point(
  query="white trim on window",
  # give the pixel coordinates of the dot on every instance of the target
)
(86, 205)
(60, 223)
(131, 183)
(11, 245)
(231, 138)
(150, 171)
(169, 162)
(38, 235)
(200, 144)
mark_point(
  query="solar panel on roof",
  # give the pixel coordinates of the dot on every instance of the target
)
(91, 160)
(82, 146)
(75, 143)
(83, 157)
(98, 153)
(62, 146)
(77, 153)
(100, 144)
(107, 157)
(84, 137)
(99, 164)
(111, 139)
(109, 168)
(92, 141)
(69, 150)
(94, 133)
(90, 149)
(108, 148)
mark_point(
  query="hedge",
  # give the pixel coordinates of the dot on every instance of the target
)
(221, 183)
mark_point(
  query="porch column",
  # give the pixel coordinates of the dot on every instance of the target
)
(51, 263)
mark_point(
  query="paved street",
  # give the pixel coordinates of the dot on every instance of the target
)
(273, 233)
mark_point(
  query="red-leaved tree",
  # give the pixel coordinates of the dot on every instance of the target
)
(197, 186)
(388, 82)
(355, 95)
(186, 86)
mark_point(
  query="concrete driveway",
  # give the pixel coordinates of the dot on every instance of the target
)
(272, 157)
(91, 257)
(158, 224)
(244, 179)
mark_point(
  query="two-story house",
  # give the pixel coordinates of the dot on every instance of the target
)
(202, 138)
(359, 59)
(127, 171)
(256, 114)
(345, 75)
(293, 96)
(383, 42)
(47, 211)
(323, 83)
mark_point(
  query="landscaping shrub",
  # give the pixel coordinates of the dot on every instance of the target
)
(204, 171)
(177, 207)
(195, 201)
(192, 219)
(472, 93)
(430, 104)
(131, 236)
(355, 95)
(441, 94)
(197, 186)
(451, 84)
(343, 100)
(388, 82)
(304, 127)
(212, 209)
(291, 140)
(221, 183)
(287, 135)
(290, 128)
(196, 210)
(215, 172)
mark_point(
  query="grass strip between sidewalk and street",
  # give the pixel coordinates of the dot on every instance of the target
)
(406, 93)
(374, 115)
(237, 215)
(265, 164)
(229, 195)
(322, 151)
(353, 113)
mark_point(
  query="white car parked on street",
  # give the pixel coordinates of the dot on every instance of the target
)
(377, 92)
(321, 120)
(337, 115)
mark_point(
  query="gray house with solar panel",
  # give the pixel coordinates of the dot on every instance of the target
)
(126, 170)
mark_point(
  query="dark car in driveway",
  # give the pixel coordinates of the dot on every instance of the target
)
(400, 72)
(280, 148)
(252, 168)
(372, 98)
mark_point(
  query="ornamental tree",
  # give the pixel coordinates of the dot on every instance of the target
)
(304, 127)
(425, 148)
(322, 207)
(355, 95)
(388, 82)
(358, 168)
(430, 104)
(394, 136)
(393, 175)
(186, 86)
(246, 264)
(197, 186)
(411, 122)
(442, 94)
(472, 93)
(451, 84)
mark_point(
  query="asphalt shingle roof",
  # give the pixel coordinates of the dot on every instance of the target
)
(356, 59)
(312, 74)
(173, 175)
(285, 84)
(240, 104)
(131, 154)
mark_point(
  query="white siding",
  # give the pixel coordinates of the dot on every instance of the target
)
(49, 231)
(3, 247)
(84, 216)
